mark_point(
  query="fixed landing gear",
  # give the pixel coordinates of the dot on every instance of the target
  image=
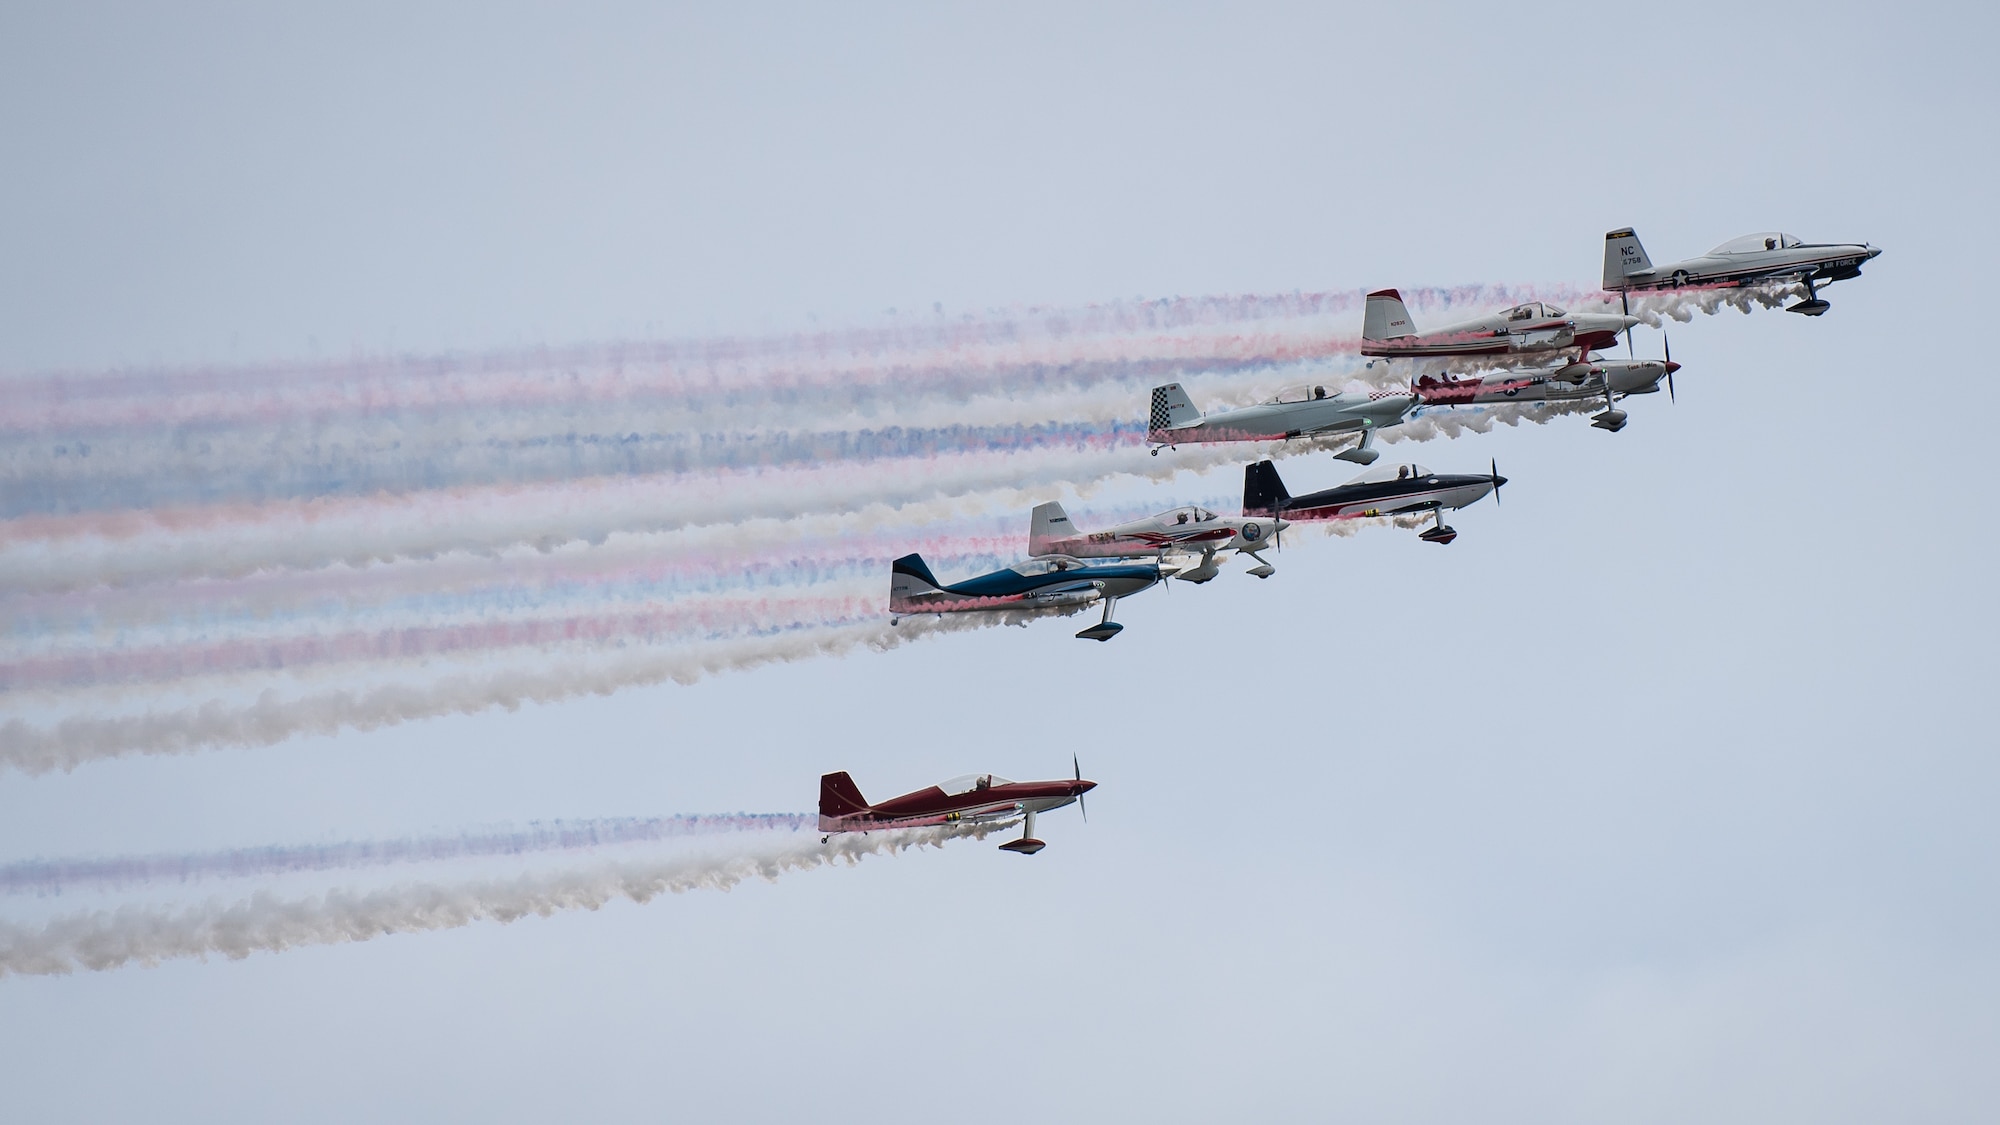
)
(1812, 305)
(1102, 631)
(1612, 420)
(1439, 532)
(1027, 844)
(1363, 454)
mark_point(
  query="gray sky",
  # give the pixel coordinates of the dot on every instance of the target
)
(1662, 793)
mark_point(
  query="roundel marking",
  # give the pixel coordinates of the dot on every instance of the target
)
(1251, 532)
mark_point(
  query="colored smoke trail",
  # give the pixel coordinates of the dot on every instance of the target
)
(109, 939)
(271, 718)
(53, 876)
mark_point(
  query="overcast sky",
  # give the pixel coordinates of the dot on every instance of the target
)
(1664, 793)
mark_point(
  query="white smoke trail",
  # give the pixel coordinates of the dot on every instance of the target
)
(109, 939)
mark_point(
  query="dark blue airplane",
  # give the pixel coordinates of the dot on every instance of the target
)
(1051, 582)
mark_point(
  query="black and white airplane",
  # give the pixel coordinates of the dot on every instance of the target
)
(1386, 490)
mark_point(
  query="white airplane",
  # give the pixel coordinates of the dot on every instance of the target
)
(1616, 379)
(1298, 412)
(1772, 256)
(1537, 326)
(1191, 530)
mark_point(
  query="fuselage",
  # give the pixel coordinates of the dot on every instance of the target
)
(1748, 260)
(1419, 493)
(1034, 584)
(1625, 377)
(1532, 327)
(986, 798)
(1185, 530)
(1289, 417)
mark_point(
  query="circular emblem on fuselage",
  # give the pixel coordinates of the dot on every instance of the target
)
(1251, 532)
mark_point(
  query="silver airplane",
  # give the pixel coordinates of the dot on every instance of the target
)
(1772, 256)
(1190, 530)
(1388, 331)
(1298, 412)
(1616, 379)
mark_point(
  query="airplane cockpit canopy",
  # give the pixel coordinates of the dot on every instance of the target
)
(1534, 310)
(1304, 393)
(1753, 243)
(1047, 564)
(1379, 473)
(966, 783)
(1188, 515)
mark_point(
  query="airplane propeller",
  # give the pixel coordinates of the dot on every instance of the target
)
(1669, 346)
(1080, 806)
(1625, 302)
(1497, 479)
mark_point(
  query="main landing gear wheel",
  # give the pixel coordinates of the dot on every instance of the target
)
(1439, 533)
(1812, 305)
(1102, 631)
(1611, 420)
(1027, 844)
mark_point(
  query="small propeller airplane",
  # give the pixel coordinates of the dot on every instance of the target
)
(1190, 530)
(1388, 490)
(975, 798)
(1753, 258)
(1298, 412)
(1616, 379)
(1047, 583)
(1536, 326)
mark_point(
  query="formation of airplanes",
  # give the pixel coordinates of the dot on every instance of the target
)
(1538, 353)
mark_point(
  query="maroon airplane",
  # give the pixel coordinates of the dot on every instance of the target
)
(970, 799)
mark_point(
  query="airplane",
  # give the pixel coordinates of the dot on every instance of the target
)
(1046, 583)
(1389, 490)
(1297, 412)
(971, 799)
(1771, 256)
(1618, 378)
(1193, 530)
(1386, 330)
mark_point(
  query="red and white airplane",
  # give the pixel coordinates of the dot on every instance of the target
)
(1387, 330)
(971, 799)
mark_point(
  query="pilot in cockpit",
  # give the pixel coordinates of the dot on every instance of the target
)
(1181, 518)
(1770, 244)
(985, 781)
(1402, 472)
(1319, 392)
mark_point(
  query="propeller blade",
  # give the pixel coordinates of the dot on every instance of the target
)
(1494, 465)
(1669, 346)
(1080, 806)
(1625, 302)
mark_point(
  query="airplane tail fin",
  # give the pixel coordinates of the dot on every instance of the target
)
(1172, 410)
(838, 797)
(1049, 530)
(909, 578)
(1263, 493)
(1623, 257)
(1385, 318)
